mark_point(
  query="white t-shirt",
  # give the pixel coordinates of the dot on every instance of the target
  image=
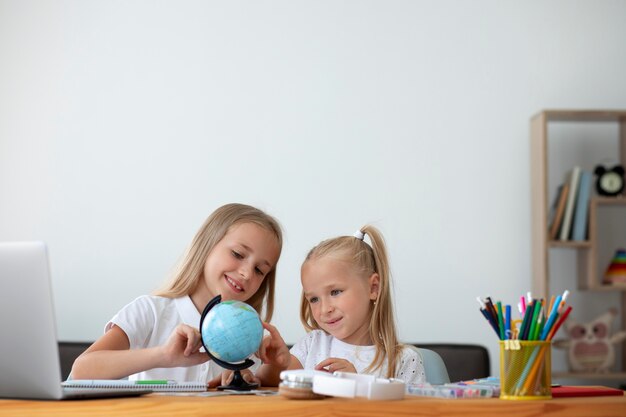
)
(317, 345)
(149, 320)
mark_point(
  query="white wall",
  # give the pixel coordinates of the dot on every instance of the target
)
(123, 124)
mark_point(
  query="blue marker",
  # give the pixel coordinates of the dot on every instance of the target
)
(507, 323)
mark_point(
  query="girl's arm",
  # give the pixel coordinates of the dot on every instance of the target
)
(336, 365)
(276, 358)
(110, 357)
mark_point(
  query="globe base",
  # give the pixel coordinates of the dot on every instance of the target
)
(239, 384)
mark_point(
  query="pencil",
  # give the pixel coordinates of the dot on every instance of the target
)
(533, 321)
(535, 363)
(492, 310)
(563, 299)
(551, 303)
(553, 315)
(528, 318)
(488, 316)
(500, 320)
(558, 324)
(490, 320)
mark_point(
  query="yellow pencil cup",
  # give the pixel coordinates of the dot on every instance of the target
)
(525, 370)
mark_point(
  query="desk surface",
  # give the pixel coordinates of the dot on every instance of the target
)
(277, 406)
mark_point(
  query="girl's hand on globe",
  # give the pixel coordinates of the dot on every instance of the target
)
(227, 376)
(183, 348)
(273, 349)
(335, 364)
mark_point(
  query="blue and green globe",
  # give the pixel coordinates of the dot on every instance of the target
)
(231, 331)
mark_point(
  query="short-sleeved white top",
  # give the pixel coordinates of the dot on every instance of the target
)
(149, 320)
(318, 345)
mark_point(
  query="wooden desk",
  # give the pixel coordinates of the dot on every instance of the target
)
(277, 406)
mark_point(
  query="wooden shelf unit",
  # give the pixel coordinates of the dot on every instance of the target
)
(586, 250)
(588, 262)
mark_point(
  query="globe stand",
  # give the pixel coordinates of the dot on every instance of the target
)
(237, 383)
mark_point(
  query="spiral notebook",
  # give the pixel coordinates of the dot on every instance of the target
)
(152, 385)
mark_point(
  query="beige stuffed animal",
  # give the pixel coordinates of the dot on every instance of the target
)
(590, 346)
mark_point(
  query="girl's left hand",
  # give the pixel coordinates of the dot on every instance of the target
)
(335, 364)
(227, 376)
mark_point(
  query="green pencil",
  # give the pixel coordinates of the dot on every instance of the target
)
(533, 322)
(500, 320)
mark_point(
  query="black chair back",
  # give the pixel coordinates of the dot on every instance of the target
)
(68, 352)
(464, 362)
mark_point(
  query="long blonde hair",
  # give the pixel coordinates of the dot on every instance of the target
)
(191, 267)
(367, 260)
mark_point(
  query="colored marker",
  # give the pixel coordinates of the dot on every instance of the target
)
(507, 322)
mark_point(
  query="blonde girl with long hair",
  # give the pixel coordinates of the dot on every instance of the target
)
(233, 254)
(347, 310)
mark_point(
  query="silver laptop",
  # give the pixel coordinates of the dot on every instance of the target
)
(29, 355)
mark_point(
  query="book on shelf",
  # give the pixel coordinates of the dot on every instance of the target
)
(558, 212)
(566, 227)
(553, 207)
(581, 211)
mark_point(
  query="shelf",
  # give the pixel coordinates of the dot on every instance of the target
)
(586, 252)
(586, 244)
(608, 201)
(583, 115)
(602, 287)
(618, 376)
(588, 278)
(576, 244)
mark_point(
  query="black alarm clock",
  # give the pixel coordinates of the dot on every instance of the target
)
(610, 181)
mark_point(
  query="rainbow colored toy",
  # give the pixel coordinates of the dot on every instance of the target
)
(616, 272)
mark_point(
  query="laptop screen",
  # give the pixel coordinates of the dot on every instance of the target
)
(29, 358)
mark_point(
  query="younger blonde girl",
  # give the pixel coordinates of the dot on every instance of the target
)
(347, 309)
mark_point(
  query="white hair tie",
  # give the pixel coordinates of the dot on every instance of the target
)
(359, 235)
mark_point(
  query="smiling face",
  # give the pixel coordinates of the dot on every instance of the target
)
(237, 265)
(340, 298)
